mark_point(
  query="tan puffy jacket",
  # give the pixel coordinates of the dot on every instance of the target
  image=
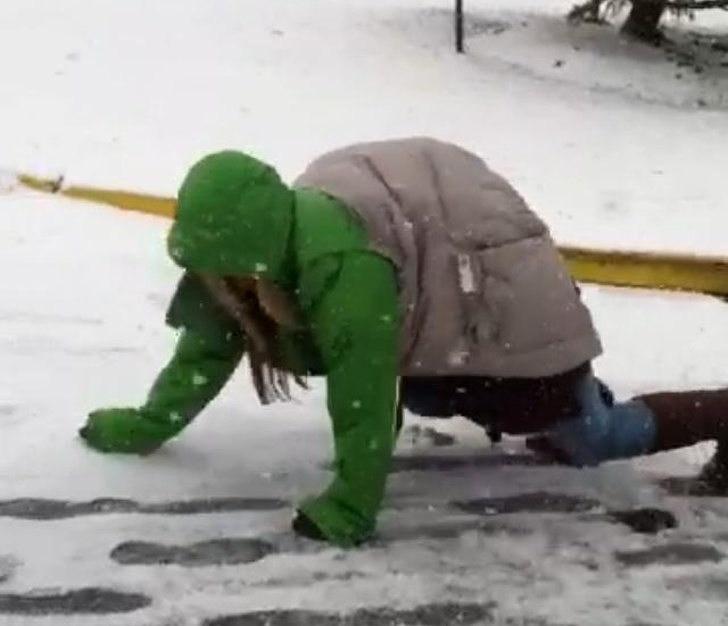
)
(484, 291)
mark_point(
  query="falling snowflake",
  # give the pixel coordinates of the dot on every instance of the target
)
(467, 279)
(457, 357)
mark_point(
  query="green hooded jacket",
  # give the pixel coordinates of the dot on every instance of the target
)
(236, 217)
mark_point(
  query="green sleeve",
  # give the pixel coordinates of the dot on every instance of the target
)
(207, 353)
(356, 325)
(200, 367)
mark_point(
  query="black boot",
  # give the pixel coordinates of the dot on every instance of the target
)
(713, 479)
(686, 418)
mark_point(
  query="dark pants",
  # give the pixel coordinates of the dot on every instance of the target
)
(513, 406)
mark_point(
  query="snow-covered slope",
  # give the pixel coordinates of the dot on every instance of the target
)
(131, 92)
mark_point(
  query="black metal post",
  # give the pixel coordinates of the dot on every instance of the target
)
(459, 26)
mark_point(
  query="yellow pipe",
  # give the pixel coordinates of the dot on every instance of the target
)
(646, 270)
(126, 200)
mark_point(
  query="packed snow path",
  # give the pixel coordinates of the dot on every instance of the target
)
(483, 560)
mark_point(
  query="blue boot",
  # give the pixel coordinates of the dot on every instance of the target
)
(604, 430)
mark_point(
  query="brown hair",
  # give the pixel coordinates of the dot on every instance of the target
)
(262, 310)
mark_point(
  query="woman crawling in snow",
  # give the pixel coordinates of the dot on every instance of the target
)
(408, 274)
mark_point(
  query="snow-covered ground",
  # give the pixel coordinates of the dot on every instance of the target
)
(602, 138)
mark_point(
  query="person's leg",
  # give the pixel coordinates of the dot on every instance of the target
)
(445, 397)
(429, 396)
(518, 406)
(499, 405)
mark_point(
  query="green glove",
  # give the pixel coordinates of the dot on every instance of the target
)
(337, 521)
(128, 431)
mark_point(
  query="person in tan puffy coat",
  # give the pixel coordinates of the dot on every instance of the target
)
(409, 275)
(494, 328)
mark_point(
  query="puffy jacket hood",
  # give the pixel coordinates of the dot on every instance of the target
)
(234, 217)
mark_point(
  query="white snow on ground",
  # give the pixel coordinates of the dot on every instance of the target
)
(608, 145)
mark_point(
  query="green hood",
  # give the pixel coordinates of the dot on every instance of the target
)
(234, 218)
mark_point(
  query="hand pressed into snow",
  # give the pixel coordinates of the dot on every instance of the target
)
(127, 431)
